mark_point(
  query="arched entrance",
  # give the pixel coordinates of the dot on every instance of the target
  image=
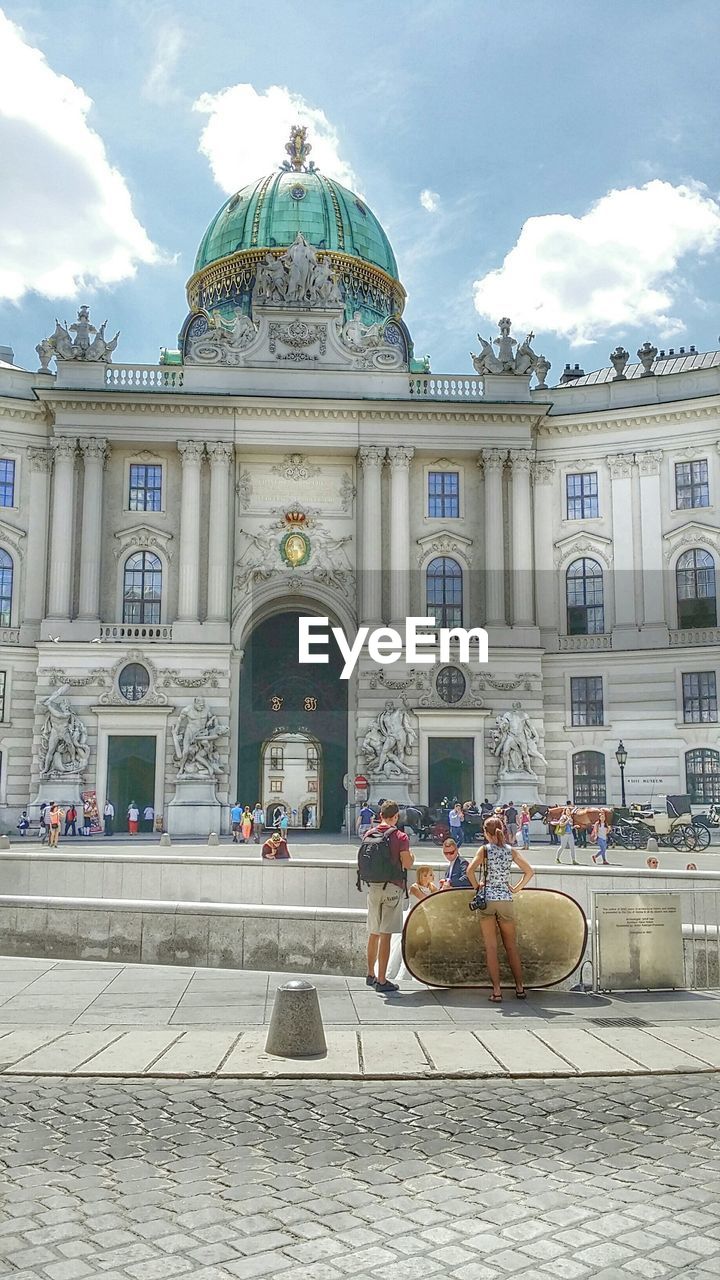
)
(292, 771)
(293, 708)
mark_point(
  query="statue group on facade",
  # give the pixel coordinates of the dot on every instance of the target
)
(297, 276)
(523, 361)
(63, 742)
(222, 342)
(388, 741)
(78, 341)
(195, 737)
(515, 742)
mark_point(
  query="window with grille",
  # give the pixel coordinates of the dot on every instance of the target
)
(696, 589)
(582, 495)
(589, 778)
(134, 682)
(691, 484)
(702, 772)
(444, 592)
(142, 588)
(7, 482)
(584, 595)
(450, 684)
(145, 487)
(699, 697)
(6, 588)
(277, 759)
(586, 700)
(444, 494)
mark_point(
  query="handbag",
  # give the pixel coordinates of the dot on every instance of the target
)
(479, 902)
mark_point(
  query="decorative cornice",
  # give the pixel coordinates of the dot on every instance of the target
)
(141, 537)
(492, 459)
(582, 544)
(94, 449)
(64, 448)
(649, 462)
(620, 465)
(443, 543)
(560, 425)
(28, 412)
(400, 456)
(692, 534)
(520, 460)
(12, 536)
(220, 453)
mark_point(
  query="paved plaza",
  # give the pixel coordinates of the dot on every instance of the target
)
(312, 1180)
(85, 1018)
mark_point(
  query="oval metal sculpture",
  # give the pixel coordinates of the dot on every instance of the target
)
(443, 947)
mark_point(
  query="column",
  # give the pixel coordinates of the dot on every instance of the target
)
(61, 532)
(546, 600)
(400, 457)
(95, 454)
(221, 456)
(492, 462)
(620, 466)
(522, 582)
(40, 461)
(191, 452)
(371, 460)
(651, 538)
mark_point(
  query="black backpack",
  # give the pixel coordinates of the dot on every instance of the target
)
(376, 864)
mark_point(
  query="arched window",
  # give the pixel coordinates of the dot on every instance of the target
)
(444, 592)
(142, 588)
(696, 594)
(134, 682)
(584, 595)
(6, 587)
(450, 684)
(702, 774)
(589, 777)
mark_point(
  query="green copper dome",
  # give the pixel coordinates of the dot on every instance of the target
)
(269, 214)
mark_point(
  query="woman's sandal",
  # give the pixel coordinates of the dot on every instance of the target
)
(495, 999)
(520, 995)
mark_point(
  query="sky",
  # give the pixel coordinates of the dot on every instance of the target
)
(555, 162)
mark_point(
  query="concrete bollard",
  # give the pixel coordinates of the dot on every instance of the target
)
(213, 838)
(296, 1027)
(652, 845)
(4, 842)
(165, 839)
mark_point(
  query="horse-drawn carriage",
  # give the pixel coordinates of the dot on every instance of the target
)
(673, 826)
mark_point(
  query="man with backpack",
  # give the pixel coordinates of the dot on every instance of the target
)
(384, 858)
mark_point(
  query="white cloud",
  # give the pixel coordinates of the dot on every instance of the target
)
(158, 86)
(610, 269)
(430, 200)
(66, 219)
(246, 133)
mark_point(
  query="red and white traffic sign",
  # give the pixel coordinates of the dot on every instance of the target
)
(361, 782)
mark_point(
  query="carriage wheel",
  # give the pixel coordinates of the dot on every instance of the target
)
(701, 836)
(439, 833)
(682, 838)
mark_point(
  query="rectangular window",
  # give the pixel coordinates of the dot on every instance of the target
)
(7, 482)
(691, 484)
(444, 495)
(699, 697)
(2, 695)
(145, 487)
(276, 785)
(276, 758)
(582, 496)
(586, 700)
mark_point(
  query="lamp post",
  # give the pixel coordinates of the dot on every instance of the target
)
(621, 757)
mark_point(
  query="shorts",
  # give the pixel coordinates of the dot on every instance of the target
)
(385, 908)
(236, 826)
(501, 910)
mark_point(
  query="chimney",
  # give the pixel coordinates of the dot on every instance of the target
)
(570, 375)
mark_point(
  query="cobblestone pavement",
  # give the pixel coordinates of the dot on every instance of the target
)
(218, 1180)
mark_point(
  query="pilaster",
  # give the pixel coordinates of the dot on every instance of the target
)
(40, 461)
(64, 453)
(191, 452)
(371, 460)
(546, 578)
(620, 467)
(400, 457)
(653, 593)
(95, 454)
(522, 578)
(492, 462)
(221, 456)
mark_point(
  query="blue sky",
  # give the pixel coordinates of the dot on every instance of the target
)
(568, 153)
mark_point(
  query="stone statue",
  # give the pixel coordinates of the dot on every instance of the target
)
(390, 737)
(87, 342)
(195, 736)
(222, 342)
(64, 738)
(522, 362)
(296, 277)
(515, 742)
(361, 337)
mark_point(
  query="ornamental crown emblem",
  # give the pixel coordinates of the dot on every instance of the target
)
(298, 149)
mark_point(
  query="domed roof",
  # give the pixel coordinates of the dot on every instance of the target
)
(268, 214)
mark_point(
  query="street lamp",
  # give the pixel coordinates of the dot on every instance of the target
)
(621, 757)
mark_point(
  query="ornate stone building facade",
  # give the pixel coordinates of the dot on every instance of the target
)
(162, 527)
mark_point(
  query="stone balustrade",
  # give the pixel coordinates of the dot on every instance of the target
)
(144, 377)
(123, 631)
(694, 635)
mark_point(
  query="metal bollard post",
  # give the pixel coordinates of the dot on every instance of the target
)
(296, 1026)
(213, 838)
(165, 839)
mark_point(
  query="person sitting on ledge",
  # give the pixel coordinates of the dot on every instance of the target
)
(275, 847)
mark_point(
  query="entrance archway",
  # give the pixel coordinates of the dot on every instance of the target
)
(292, 772)
(291, 708)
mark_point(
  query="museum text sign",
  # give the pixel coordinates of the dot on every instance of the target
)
(639, 942)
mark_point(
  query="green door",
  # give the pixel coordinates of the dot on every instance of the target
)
(131, 775)
(450, 769)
